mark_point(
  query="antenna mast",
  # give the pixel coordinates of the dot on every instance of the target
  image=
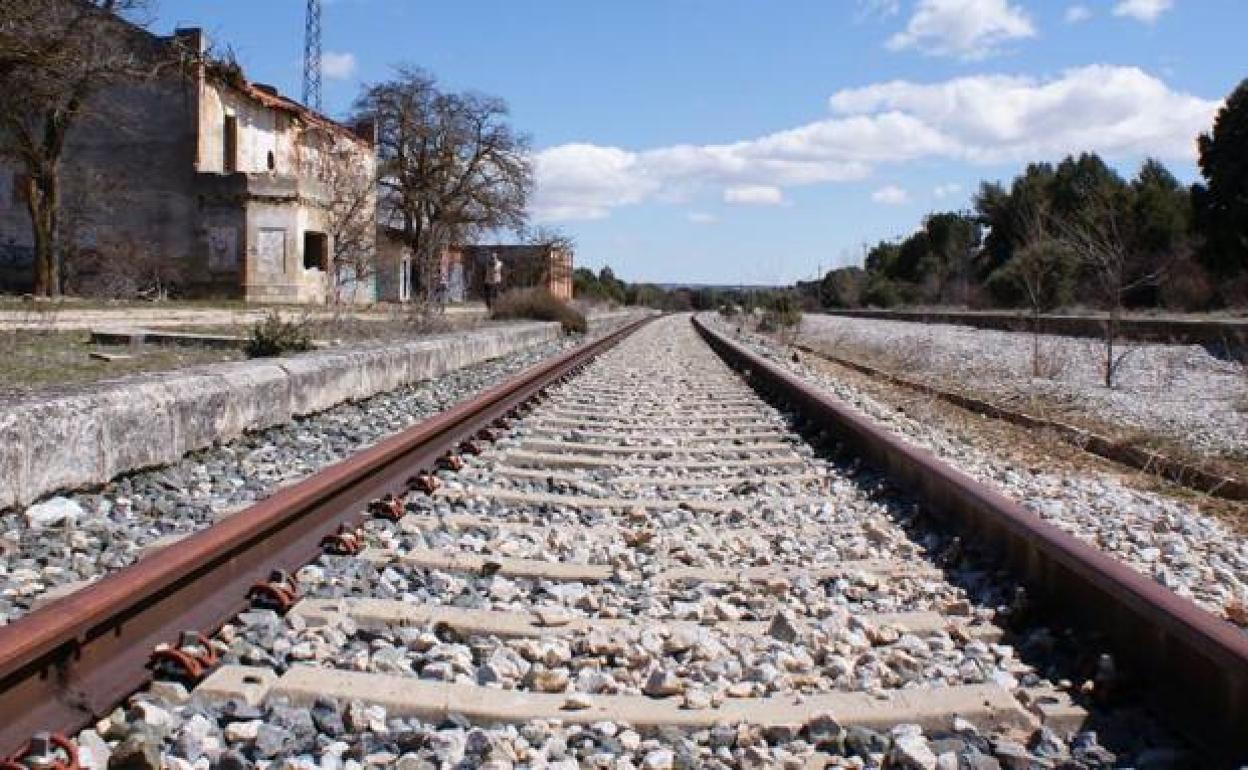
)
(312, 56)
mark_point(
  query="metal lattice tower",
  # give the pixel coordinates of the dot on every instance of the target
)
(312, 56)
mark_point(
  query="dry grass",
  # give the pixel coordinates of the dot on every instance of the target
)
(41, 361)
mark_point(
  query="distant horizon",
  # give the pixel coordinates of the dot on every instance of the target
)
(673, 286)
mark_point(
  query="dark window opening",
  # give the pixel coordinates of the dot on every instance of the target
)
(272, 161)
(315, 251)
(230, 144)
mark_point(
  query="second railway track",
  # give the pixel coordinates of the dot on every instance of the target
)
(651, 566)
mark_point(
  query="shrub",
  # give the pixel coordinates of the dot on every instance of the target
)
(274, 336)
(122, 268)
(1187, 286)
(1041, 272)
(538, 305)
(782, 313)
(881, 292)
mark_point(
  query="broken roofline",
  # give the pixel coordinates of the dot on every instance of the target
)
(222, 73)
(190, 40)
(274, 100)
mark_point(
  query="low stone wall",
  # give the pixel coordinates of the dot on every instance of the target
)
(90, 436)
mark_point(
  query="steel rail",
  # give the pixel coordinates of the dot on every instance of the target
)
(1192, 666)
(74, 659)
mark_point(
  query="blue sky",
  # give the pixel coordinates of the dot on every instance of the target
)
(727, 141)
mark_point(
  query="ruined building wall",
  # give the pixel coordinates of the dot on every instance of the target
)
(220, 186)
(273, 166)
(127, 187)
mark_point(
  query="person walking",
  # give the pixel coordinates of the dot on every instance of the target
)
(493, 280)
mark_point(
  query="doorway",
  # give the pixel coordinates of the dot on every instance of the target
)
(315, 251)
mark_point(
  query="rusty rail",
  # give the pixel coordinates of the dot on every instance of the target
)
(74, 659)
(1195, 665)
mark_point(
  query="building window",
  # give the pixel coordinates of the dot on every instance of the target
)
(315, 251)
(229, 163)
(272, 161)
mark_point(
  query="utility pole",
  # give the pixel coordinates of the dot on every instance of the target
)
(312, 56)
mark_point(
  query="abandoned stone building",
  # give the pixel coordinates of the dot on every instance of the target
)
(224, 187)
(462, 270)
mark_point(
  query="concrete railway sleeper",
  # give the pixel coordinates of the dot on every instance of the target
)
(640, 563)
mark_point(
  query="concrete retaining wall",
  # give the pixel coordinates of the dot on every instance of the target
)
(91, 436)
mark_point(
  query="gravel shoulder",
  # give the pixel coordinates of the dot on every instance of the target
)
(1174, 398)
(1180, 544)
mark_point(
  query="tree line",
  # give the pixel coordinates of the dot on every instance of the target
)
(605, 287)
(1075, 233)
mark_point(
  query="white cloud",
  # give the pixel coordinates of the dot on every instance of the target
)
(1116, 111)
(942, 191)
(1119, 112)
(967, 29)
(701, 218)
(584, 181)
(1147, 11)
(337, 66)
(754, 195)
(1078, 13)
(890, 195)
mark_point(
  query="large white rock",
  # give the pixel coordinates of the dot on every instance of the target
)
(58, 510)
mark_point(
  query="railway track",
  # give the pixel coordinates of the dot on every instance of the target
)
(649, 565)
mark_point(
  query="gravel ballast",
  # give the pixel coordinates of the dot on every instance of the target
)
(58, 544)
(810, 629)
(1193, 554)
(1178, 392)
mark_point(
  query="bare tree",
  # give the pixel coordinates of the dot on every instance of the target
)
(99, 262)
(1097, 237)
(449, 166)
(55, 55)
(351, 223)
(551, 237)
(1039, 266)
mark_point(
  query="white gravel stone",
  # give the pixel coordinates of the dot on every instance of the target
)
(56, 511)
(1179, 391)
(807, 633)
(114, 527)
(1180, 547)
